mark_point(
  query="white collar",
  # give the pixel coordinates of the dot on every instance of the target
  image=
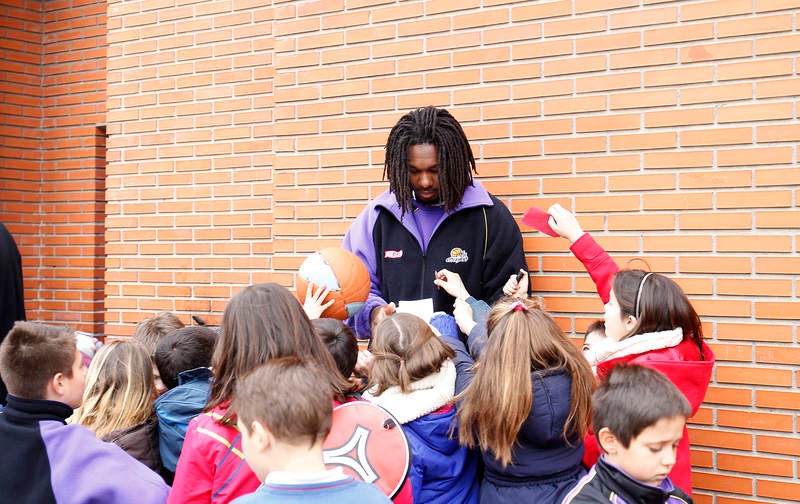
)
(633, 345)
(294, 478)
(427, 395)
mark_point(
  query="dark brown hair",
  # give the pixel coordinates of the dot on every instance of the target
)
(434, 126)
(340, 341)
(522, 338)
(597, 325)
(657, 302)
(32, 354)
(289, 397)
(262, 322)
(405, 350)
(184, 349)
(634, 397)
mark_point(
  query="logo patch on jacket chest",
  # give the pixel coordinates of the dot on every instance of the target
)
(392, 254)
(457, 255)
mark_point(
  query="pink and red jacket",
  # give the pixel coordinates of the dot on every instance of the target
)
(688, 366)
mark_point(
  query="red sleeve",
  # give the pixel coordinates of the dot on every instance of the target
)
(598, 263)
(591, 450)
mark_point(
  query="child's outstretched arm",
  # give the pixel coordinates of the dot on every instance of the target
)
(470, 313)
(600, 266)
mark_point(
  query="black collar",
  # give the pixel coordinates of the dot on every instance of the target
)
(632, 491)
(21, 410)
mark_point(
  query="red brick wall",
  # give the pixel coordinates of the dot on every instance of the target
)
(245, 134)
(20, 120)
(53, 155)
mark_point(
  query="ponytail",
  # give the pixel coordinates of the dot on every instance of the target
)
(522, 339)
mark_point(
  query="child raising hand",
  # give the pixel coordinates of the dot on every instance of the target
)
(648, 321)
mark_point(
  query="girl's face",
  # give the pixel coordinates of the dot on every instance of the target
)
(617, 325)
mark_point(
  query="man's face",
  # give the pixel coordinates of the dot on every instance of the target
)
(256, 450)
(423, 174)
(593, 339)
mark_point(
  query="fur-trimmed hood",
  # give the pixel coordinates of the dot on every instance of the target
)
(428, 395)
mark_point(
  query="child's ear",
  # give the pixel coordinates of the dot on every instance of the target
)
(54, 390)
(261, 436)
(629, 322)
(608, 441)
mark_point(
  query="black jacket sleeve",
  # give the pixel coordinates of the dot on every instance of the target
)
(504, 254)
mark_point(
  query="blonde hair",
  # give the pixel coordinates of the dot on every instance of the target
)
(522, 339)
(119, 389)
(405, 349)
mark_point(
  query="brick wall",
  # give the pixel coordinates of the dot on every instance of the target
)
(53, 155)
(189, 177)
(243, 135)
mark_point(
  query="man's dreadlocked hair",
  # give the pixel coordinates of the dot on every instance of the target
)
(435, 126)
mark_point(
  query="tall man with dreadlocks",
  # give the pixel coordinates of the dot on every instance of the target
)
(434, 216)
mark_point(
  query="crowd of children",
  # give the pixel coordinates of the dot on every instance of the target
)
(496, 403)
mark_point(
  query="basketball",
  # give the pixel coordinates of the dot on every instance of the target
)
(343, 273)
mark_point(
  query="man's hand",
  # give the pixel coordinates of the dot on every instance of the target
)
(517, 288)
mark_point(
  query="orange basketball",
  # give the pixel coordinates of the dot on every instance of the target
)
(343, 273)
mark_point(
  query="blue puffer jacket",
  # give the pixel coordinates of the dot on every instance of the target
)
(442, 471)
(544, 467)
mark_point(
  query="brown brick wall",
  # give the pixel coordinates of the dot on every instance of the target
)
(243, 135)
(53, 155)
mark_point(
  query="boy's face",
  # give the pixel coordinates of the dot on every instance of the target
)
(650, 456)
(160, 387)
(75, 385)
(593, 339)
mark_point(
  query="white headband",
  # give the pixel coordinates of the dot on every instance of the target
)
(639, 294)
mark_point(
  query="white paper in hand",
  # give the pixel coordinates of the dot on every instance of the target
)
(422, 308)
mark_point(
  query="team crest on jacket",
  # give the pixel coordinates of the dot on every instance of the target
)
(457, 255)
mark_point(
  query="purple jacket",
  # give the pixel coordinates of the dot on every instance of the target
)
(47, 461)
(479, 240)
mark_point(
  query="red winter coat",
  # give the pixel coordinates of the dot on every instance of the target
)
(682, 364)
(211, 467)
